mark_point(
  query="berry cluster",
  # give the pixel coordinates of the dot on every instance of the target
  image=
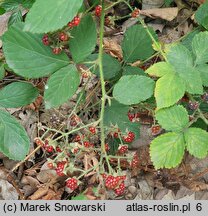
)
(72, 183)
(87, 144)
(115, 183)
(98, 10)
(193, 105)
(74, 120)
(122, 149)
(92, 130)
(129, 138)
(60, 168)
(155, 130)
(135, 160)
(63, 36)
(47, 147)
(134, 116)
(45, 40)
(135, 13)
(74, 22)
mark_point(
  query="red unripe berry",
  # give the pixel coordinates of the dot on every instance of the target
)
(120, 190)
(98, 10)
(60, 168)
(107, 148)
(122, 149)
(111, 182)
(49, 149)
(45, 40)
(135, 13)
(63, 36)
(92, 130)
(155, 129)
(56, 50)
(72, 183)
(50, 165)
(58, 149)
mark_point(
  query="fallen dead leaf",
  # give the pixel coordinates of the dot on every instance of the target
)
(168, 14)
(112, 47)
(7, 191)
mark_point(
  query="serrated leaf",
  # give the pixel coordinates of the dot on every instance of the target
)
(173, 118)
(137, 45)
(203, 70)
(14, 142)
(187, 41)
(10, 5)
(117, 115)
(193, 80)
(61, 86)
(111, 66)
(160, 69)
(27, 56)
(17, 94)
(180, 57)
(129, 70)
(167, 150)
(182, 61)
(200, 49)
(133, 89)
(169, 89)
(83, 39)
(51, 15)
(15, 17)
(197, 142)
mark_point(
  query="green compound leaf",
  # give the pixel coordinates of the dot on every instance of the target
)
(133, 89)
(51, 15)
(200, 48)
(117, 115)
(83, 39)
(203, 70)
(173, 118)
(169, 89)
(111, 66)
(14, 142)
(61, 86)
(197, 142)
(27, 56)
(160, 69)
(137, 45)
(167, 150)
(17, 94)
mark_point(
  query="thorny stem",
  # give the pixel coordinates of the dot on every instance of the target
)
(103, 99)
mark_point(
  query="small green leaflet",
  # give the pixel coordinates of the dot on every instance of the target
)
(51, 15)
(197, 142)
(169, 89)
(83, 39)
(14, 142)
(26, 55)
(173, 118)
(167, 150)
(61, 86)
(137, 45)
(17, 94)
(133, 89)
